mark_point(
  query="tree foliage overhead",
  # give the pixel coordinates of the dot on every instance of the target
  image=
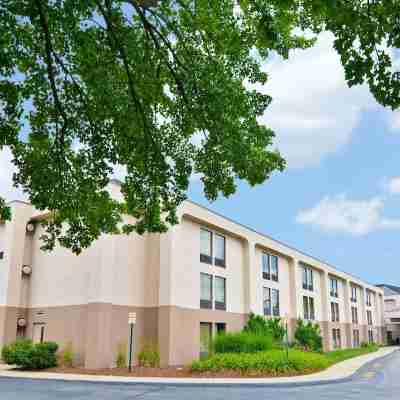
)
(164, 88)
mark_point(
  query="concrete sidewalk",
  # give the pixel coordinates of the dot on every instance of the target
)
(337, 373)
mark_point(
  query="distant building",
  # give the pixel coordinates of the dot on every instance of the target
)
(392, 312)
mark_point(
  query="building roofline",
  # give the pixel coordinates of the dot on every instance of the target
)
(280, 242)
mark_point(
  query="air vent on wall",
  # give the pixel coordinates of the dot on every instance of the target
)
(30, 227)
(26, 270)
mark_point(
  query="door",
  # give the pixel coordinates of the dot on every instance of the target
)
(205, 339)
(38, 335)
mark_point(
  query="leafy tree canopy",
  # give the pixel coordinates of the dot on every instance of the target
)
(164, 88)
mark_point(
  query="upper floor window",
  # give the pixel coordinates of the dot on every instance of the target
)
(335, 312)
(206, 246)
(334, 287)
(308, 308)
(212, 245)
(271, 302)
(206, 291)
(369, 317)
(354, 315)
(219, 250)
(270, 267)
(353, 294)
(308, 278)
(220, 293)
(368, 298)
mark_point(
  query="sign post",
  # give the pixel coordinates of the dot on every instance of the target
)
(131, 323)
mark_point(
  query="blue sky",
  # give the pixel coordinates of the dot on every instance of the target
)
(339, 197)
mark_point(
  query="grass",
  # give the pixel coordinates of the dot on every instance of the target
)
(337, 356)
(275, 363)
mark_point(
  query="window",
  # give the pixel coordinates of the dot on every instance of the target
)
(356, 338)
(270, 267)
(354, 315)
(353, 294)
(308, 308)
(267, 304)
(205, 291)
(370, 336)
(219, 250)
(275, 303)
(335, 312)
(38, 334)
(334, 288)
(308, 280)
(369, 317)
(336, 339)
(220, 290)
(220, 328)
(205, 339)
(368, 296)
(205, 246)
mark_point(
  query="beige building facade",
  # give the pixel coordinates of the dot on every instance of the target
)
(205, 275)
(392, 312)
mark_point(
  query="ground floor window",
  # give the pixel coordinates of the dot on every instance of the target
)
(220, 327)
(356, 338)
(205, 338)
(370, 336)
(308, 308)
(336, 339)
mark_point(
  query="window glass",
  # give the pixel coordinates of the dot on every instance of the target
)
(305, 307)
(305, 280)
(220, 289)
(274, 267)
(205, 242)
(206, 287)
(265, 265)
(220, 247)
(311, 307)
(267, 301)
(205, 339)
(275, 302)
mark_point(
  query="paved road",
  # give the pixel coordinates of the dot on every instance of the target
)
(379, 380)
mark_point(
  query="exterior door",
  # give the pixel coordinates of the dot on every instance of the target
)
(205, 339)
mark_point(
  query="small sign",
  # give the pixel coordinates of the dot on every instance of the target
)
(132, 318)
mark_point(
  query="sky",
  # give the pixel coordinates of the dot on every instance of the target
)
(339, 197)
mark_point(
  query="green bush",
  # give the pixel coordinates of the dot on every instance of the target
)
(27, 355)
(121, 355)
(308, 336)
(149, 356)
(242, 342)
(364, 344)
(67, 357)
(261, 326)
(272, 362)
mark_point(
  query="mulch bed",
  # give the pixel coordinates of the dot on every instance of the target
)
(168, 372)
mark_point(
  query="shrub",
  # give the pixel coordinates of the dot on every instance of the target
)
(272, 362)
(364, 344)
(121, 355)
(242, 342)
(27, 355)
(259, 325)
(67, 356)
(149, 356)
(308, 336)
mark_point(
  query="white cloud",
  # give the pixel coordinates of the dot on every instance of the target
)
(392, 185)
(394, 121)
(356, 217)
(313, 111)
(7, 168)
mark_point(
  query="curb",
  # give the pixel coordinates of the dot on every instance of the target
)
(180, 382)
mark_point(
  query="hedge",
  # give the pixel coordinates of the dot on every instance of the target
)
(242, 342)
(273, 362)
(27, 355)
(342, 355)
